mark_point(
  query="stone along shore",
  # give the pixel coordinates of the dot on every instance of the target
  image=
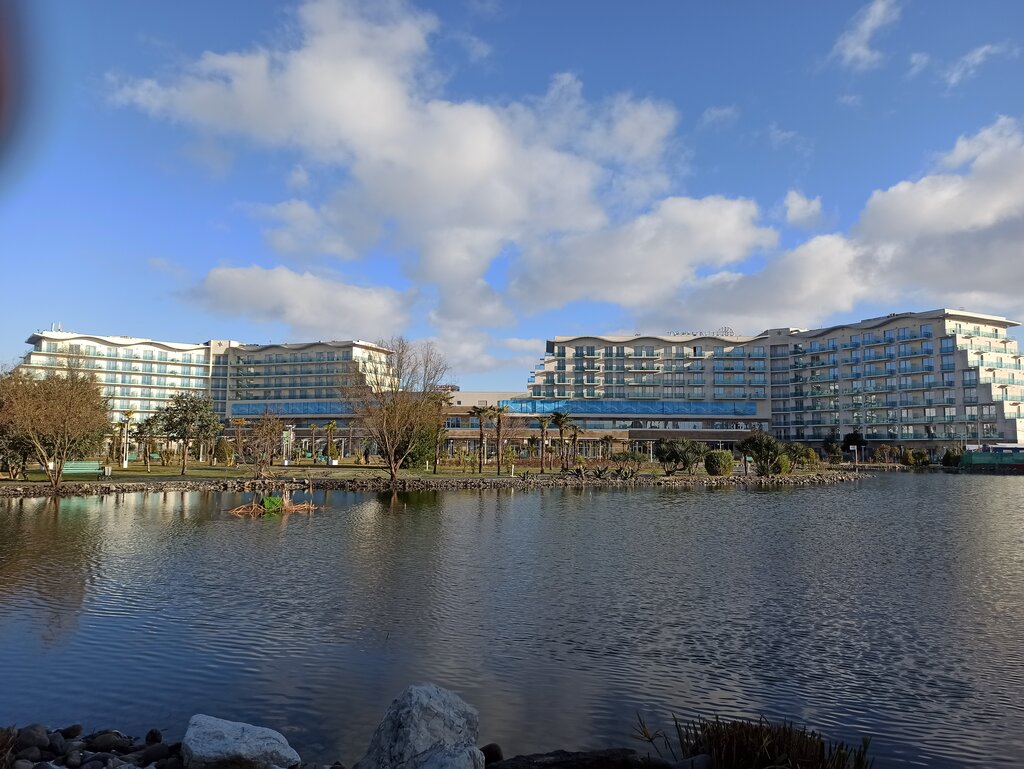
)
(436, 483)
(425, 727)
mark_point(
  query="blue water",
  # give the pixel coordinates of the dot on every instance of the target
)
(892, 607)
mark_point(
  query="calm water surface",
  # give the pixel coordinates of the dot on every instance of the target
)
(893, 607)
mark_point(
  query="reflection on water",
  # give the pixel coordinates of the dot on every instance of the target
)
(894, 607)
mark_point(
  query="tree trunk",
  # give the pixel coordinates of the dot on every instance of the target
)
(543, 441)
(480, 451)
(184, 456)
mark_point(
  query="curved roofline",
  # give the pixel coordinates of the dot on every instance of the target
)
(661, 338)
(306, 345)
(119, 341)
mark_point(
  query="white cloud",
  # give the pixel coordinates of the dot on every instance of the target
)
(476, 49)
(312, 306)
(850, 100)
(801, 288)
(719, 116)
(780, 138)
(954, 235)
(967, 66)
(853, 48)
(645, 260)
(918, 63)
(298, 178)
(453, 183)
(303, 231)
(802, 211)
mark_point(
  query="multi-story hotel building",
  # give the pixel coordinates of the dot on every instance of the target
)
(932, 378)
(301, 383)
(927, 379)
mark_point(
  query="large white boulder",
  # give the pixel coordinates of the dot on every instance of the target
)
(213, 743)
(426, 727)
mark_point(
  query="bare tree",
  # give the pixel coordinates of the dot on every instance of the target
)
(397, 406)
(61, 416)
(264, 443)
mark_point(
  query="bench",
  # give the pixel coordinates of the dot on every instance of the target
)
(83, 468)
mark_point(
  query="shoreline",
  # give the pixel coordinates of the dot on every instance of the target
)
(419, 483)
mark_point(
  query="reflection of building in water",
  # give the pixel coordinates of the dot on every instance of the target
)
(48, 558)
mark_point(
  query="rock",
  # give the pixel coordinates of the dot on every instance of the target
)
(153, 736)
(213, 743)
(21, 764)
(451, 757)
(73, 760)
(32, 736)
(618, 758)
(58, 745)
(42, 765)
(91, 764)
(135, 758)
(492, 753)
(175, 748)
(174, 762)
(155, 752)
(31, 753)
(425, 723)
(109, 741)
(101, 757)
(70, 745)
(70, 732)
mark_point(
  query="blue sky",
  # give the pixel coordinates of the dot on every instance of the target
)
(488, 173)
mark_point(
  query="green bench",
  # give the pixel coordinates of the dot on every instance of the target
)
(83, 468)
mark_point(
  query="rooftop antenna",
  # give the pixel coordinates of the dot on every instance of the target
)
(51, 326)
(58, 326)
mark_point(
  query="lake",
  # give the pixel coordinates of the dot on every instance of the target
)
(892, 606)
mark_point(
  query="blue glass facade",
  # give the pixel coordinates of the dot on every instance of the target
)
(295, 408)
(637, 408)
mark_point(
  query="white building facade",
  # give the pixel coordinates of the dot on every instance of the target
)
(933, 378)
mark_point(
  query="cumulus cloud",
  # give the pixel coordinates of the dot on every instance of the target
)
(853, 48)
(955, 233)
(313, 307)
(949, 238)
(967, 66)
(800, 288)
(802, 211)
(646, 260)
(719, 116)
(455, 181)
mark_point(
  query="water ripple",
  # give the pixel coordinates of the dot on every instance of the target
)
(892, 608)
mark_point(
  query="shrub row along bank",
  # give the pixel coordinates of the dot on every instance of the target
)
(440, 483)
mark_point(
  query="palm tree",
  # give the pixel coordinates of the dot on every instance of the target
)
(312, 440)
(561, 420)
(329, 429)
(497, 412)
(543, 421)
(575, 431)
(607, 444)
(482, 413)
(238, 424)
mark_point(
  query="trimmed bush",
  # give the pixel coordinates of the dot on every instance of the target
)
(718, 462)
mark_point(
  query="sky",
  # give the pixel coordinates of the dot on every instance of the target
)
(488, 174)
